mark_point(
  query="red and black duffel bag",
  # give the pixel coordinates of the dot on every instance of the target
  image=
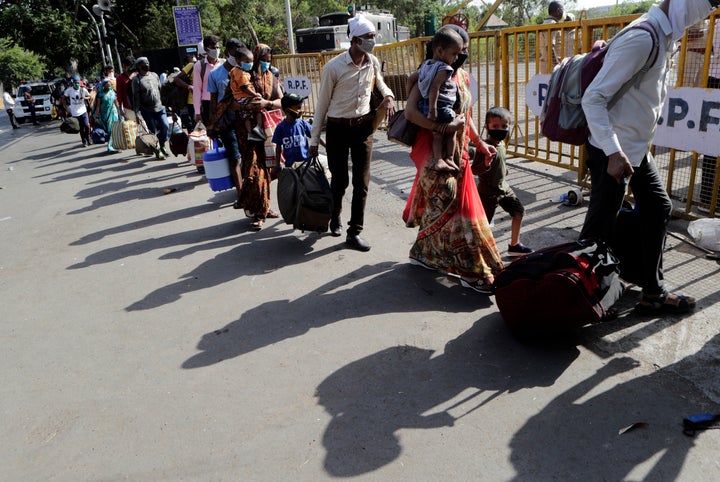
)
(557, 289)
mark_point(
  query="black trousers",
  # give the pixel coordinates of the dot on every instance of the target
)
(653, 208)
(11, 115)
(356, 142)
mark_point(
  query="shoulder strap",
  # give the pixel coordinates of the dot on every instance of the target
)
(647, 26)
(203, 65)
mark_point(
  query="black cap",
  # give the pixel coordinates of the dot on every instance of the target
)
(290, 100)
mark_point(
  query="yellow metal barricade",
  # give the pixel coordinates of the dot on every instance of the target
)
(501, 64)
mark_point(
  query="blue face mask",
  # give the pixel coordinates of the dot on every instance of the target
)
(246, 66)
(264, 66)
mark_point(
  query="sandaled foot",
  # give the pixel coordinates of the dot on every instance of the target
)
(249, 213)
(272, 214)
(257, 225)
(481, 286)
(673, 303)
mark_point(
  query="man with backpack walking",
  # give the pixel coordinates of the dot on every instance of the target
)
(620, 138)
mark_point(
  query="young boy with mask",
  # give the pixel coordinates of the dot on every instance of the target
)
(291, 136)
(244, 93)
(493, 187)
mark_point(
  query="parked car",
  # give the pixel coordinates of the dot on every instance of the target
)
(43, 102)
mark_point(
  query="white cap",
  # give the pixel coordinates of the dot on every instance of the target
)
(359, 26)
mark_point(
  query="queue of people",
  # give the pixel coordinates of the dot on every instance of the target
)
(231, 95)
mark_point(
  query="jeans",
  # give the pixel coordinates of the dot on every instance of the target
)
(357, 141)
(84, 127)
(653, 207)
(157, 124)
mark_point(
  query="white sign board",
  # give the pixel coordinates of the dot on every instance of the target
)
(297, 85)
(690, 121)
(535, 92)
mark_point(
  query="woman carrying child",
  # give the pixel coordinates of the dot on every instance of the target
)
(454, 234)
(255, 194)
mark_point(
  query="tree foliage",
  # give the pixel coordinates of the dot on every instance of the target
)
(17, 64)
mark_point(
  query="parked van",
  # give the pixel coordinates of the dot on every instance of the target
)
(41, 91)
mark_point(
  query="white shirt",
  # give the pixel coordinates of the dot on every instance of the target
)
(8, 100)
(345, 90)
(630, 125)
(77, 100)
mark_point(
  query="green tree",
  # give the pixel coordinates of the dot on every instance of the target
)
(17, 64)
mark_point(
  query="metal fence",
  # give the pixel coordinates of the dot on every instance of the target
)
(503, 61)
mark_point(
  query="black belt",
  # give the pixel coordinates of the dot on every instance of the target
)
(356, 121)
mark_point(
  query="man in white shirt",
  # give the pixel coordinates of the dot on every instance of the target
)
(620, 138)
(344, 97)
(9, 106)
(75, 97)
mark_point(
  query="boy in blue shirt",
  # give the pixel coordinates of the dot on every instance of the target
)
(292, 134)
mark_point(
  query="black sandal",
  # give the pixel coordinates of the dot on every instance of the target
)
(650, 305)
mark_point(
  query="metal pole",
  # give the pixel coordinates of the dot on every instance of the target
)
(288, 19)
(97, 30)
(107, 45)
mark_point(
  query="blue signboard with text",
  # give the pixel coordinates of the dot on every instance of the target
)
(187, 25)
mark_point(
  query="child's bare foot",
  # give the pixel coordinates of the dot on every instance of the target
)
(441, 165)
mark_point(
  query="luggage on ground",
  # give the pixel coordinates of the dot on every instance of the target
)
(98, 136)
(70, 126)
(198, 144)
(557, 289)
(146, 143)
(124, 133)
(304, 196)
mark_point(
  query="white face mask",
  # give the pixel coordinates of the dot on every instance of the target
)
(684, 13)
(213, 53)
(231, 60)
(367, 45)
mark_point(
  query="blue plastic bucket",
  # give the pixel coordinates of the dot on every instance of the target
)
(217, 171)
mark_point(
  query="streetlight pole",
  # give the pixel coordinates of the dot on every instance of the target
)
(288, 19)
(97, 30)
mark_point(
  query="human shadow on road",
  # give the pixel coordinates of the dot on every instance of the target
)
(576, 436)
(243, 254)
(135, 194)
(406, 387)
(360, 293)
(167, 217)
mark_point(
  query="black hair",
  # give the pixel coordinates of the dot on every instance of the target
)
(446, 38)
(554, 7)
(129, 60)
(210, 39)
(498, 112)
(243, 52)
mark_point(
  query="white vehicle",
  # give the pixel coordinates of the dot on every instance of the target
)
(41, 92)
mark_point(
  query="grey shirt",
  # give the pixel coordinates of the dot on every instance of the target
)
(146, 92)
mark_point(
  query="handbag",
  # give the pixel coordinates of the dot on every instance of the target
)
(225, 116)
(146, 143)
(123, 135)
(401, 130)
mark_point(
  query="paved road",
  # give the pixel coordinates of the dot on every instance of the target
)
(152, 336)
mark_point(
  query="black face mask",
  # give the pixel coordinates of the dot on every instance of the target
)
(498, 135)
(460, 61)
